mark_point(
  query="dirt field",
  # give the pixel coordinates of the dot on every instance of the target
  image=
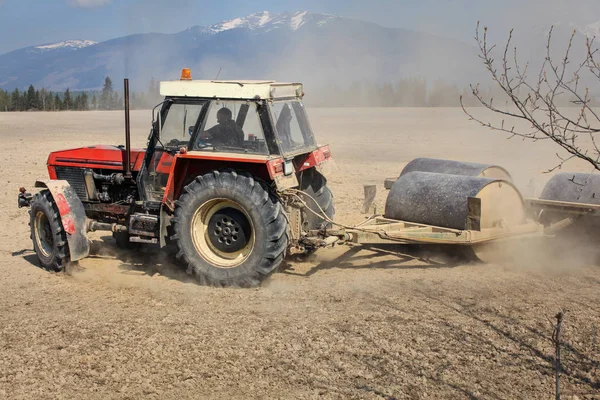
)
(351, 324)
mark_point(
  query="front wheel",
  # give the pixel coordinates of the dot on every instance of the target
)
(230, 229)
(47, 232)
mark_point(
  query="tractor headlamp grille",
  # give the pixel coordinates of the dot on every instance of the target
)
(75, 178)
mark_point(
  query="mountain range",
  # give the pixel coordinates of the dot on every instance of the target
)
(316, 49)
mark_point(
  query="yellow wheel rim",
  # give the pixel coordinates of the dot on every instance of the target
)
(201, 235)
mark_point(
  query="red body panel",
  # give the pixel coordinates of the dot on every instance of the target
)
(189, 165)
(182, 167)
(98, 157)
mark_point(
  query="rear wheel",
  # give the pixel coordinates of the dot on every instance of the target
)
(318, 197)
(47, 232)
(229, 229)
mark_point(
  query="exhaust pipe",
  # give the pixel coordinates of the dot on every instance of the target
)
(127, 132)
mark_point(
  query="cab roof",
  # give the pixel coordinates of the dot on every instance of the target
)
(240, 89)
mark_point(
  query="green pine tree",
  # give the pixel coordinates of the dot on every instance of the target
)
(15, 100)
(49, 101)
(84, 104)
(106, 97)
(58, 104)
(4, 100)
(67, 101)
(38, 100)
(30, 98)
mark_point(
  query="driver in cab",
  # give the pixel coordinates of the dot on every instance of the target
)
(226, 132)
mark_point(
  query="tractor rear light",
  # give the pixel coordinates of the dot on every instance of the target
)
(322, 154)
(275, 167)
(186, 74)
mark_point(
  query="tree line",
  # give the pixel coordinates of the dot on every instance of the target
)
(412, 92)
(33, 99)
(42, 100)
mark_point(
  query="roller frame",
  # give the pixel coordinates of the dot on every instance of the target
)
(381, 230)
(562, 207)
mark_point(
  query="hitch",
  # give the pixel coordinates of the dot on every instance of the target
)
(24, 198)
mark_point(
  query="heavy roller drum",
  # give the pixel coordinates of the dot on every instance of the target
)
(456, 201)
(573, 187)
(456, 168)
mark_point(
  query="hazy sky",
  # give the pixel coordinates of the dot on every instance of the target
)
(32, 22)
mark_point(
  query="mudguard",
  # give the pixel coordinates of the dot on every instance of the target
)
(72, 215)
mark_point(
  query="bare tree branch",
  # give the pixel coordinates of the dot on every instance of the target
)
(538, 102)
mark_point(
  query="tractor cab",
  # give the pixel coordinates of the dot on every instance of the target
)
(219, 120)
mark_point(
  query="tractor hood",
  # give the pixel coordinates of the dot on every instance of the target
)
(99, 156)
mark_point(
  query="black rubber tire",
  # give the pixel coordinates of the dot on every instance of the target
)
(314, 184)
(262, 208)
(58, 256)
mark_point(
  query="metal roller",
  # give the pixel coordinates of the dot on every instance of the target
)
(573, 188)
(456, 168)
(454, 201)
(570, 187)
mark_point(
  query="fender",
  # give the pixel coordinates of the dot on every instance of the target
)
(72, 215)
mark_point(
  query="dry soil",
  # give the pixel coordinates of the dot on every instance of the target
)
(353, 323)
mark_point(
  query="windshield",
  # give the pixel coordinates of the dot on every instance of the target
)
(179, 123)
(232, 126)
(291, 126)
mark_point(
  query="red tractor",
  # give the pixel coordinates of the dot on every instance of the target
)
(226, 177)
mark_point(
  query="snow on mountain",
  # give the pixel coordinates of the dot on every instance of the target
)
(298, 20)
(263, 21)
(268, 21)
(67, 44)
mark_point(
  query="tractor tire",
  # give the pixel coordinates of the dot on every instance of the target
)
(314, 184)
(47, 232)
(230, 230)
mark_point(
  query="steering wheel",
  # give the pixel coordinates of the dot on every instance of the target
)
(176, 142)
(203, 143)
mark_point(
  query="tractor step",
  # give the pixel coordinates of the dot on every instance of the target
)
(137, 239)
(144, 225)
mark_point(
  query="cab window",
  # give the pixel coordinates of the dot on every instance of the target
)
(291, 124)
(232, 126)
(178, 124)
